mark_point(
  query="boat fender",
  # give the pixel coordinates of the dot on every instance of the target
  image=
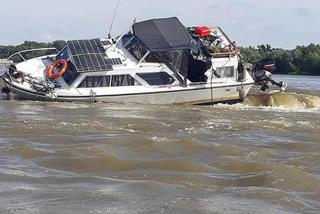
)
(62, 63)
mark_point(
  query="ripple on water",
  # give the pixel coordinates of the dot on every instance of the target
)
(100, 163)
(249, 157)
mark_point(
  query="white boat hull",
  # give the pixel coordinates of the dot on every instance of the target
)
(188, 95)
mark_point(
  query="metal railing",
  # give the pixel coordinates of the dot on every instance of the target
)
(25, 55)
(233, 50)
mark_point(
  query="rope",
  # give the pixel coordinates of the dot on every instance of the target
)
(211, 85)
(39, 86)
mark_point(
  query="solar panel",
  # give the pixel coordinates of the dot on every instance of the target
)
(105, 42)
(115, 61)
(89, 55)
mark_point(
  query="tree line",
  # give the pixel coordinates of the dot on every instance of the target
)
(303, 60)
(6, 51)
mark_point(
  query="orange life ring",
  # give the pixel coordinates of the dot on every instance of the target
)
(58, 74)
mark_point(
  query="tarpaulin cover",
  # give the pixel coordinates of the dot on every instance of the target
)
(161, 35)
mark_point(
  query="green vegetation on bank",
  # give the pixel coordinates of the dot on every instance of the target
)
(6, 51)
(304, 60)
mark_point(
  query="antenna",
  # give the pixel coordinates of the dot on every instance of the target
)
(114, 15)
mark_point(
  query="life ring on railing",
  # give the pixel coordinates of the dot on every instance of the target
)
(63, 69)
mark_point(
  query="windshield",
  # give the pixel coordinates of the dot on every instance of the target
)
(136, 48)
(126, 38)
(133, 46)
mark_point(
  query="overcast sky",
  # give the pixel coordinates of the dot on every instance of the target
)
(281, 23)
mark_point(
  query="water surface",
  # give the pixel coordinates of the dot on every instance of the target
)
(261, 156)
(2, 69)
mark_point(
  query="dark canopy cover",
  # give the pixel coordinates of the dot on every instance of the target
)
(161, 35)
(170, 41)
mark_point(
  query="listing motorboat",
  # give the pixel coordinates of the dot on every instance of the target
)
(158, 61)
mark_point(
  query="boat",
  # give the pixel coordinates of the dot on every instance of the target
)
(157, 61)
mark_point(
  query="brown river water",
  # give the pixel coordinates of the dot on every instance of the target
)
(261, 156)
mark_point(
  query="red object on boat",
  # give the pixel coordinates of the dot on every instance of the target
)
(203, 31)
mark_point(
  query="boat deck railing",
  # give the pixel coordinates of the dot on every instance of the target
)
(25, 55)
(231, 51)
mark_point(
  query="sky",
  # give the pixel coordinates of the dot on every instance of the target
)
(281, 23)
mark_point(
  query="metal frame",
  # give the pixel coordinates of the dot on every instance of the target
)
(31, 50)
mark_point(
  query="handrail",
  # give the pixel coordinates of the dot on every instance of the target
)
(36, 49)
(30, 50)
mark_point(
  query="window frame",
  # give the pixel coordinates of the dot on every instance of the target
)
(138, 61)
(94, 76)
(219, 69)
(140, 75)
(135, 81)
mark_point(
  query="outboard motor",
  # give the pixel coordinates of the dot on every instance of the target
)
(263, 75)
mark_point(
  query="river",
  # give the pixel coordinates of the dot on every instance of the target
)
(2, 69)
(261, 156)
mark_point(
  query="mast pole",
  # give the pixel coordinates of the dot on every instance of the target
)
(114, 15)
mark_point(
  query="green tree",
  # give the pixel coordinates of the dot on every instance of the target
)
(301, 60)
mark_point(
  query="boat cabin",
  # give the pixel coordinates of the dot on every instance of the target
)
(151, 53)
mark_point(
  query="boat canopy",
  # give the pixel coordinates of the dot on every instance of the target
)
(162, 35)
(169, 40)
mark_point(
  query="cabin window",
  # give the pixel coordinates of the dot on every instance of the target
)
(136, 48)
(108, 81)
(95, 82)
(123, 80)
(126, 38)
(224, 72)
(159, 78)
(152, 58)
